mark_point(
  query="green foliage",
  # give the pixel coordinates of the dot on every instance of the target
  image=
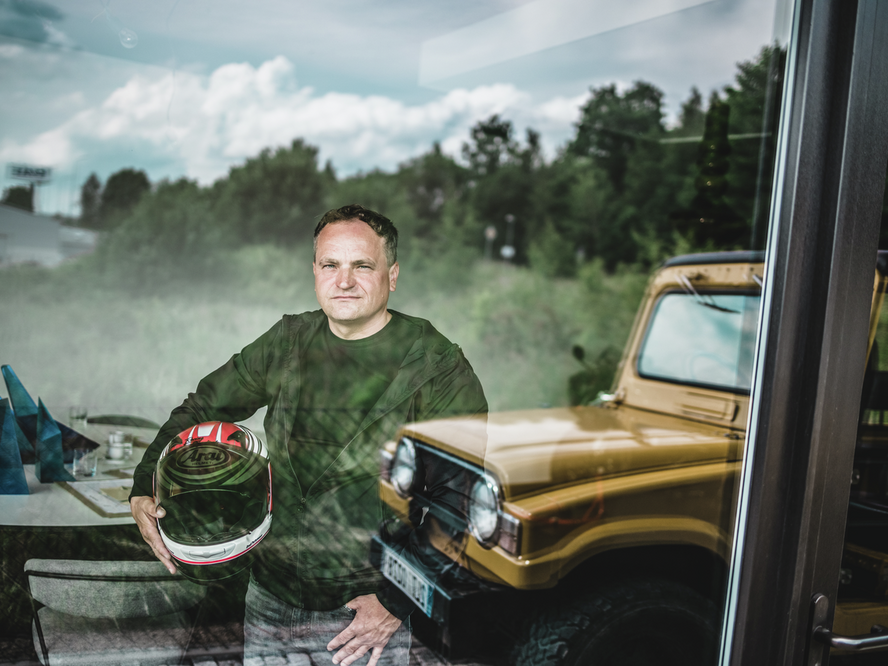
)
(503, 180)
(430, 181)
(755, 104)
(19, 196)
(271, 276)
(442, 259)
(551, 254)
(491, 146)
(617, 294)
(378, 191)
(90, 202)
(119, 197)
(520, 327)
(144, 346)
(692, 118)
(596, 376)
(709, 217)
(170, 233)
(613, 124)
(275, 197)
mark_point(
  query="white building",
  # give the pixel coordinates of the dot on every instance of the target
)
(26, 238)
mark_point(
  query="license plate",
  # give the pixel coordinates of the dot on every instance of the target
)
(409, 581)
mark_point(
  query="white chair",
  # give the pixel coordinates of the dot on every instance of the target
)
(102, 613)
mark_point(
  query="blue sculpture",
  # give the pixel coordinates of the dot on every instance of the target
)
(50, 459)
(22, 404)
(25, 448)
(26, 414)
(12, 474)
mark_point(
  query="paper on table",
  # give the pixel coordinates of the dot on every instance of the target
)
(117, 493)
(108, 498)
(122, 472)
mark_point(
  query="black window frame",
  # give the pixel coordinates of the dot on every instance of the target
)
(821, 259)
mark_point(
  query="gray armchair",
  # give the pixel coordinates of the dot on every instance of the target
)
(101, 613)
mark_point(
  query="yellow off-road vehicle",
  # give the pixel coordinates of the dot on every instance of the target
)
(601, 534)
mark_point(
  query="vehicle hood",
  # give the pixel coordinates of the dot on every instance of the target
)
(531, 450)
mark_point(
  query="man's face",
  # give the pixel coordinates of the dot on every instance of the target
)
(353, 279)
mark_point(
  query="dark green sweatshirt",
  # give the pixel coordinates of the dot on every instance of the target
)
(317, 554)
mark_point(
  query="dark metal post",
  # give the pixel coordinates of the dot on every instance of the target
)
(822, 252)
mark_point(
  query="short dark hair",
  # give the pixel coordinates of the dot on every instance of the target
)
(379, 223)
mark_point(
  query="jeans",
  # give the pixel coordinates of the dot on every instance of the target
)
(278, 634)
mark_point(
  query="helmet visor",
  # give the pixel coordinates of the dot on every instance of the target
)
(205, 517)
(212, 493)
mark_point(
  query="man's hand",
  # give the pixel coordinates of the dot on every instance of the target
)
(145, 514)
(371, 629)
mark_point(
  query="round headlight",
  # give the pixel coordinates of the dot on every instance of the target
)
(404, 467)
(484, 510)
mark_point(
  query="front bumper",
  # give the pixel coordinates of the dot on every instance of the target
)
(439, 590)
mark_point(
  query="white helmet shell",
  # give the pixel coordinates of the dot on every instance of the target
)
(214, 482)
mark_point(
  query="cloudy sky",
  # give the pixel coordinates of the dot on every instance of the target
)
(192, 87)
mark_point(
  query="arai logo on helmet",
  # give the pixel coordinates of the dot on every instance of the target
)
(200, 457)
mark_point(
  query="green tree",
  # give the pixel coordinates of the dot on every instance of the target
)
(724, 197)
(503, 176)
(492, 145)
(123, 190)
(551, 253)
(755, 104)
(430, 181)
(613, 124)
(595, 219)
(378, 191)
(713, 160)
(274, 197)
(169, 234)
(709, 218)
(680, 156)
(613, 172)
(90, 202)
(19, 196)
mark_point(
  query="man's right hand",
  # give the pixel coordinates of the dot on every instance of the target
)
(146, 515)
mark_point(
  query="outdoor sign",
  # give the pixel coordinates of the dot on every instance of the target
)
(34, 174)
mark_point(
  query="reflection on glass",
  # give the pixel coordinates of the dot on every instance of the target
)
(704, 340)
(540, 160)
(861, 594)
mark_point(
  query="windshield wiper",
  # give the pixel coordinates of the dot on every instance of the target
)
(707, 300)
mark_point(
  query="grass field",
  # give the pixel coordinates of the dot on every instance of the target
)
(74, 337)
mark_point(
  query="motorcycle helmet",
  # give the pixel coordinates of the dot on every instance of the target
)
(214, 482)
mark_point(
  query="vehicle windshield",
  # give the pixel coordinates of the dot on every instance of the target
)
(705, 339)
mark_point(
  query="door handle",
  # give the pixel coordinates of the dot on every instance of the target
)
(877, 639)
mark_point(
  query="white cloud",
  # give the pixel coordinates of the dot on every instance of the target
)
(206, 124)
(56, 37)
(11, 51)
(46, 149)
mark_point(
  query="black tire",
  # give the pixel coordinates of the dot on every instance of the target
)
(637, 622)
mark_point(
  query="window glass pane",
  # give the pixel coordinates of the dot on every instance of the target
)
(701, 339)
(861, 599)
(581, 192)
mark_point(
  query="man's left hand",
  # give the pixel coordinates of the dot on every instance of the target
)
(371, 629)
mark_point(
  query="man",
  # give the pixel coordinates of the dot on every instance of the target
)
(337, 383)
